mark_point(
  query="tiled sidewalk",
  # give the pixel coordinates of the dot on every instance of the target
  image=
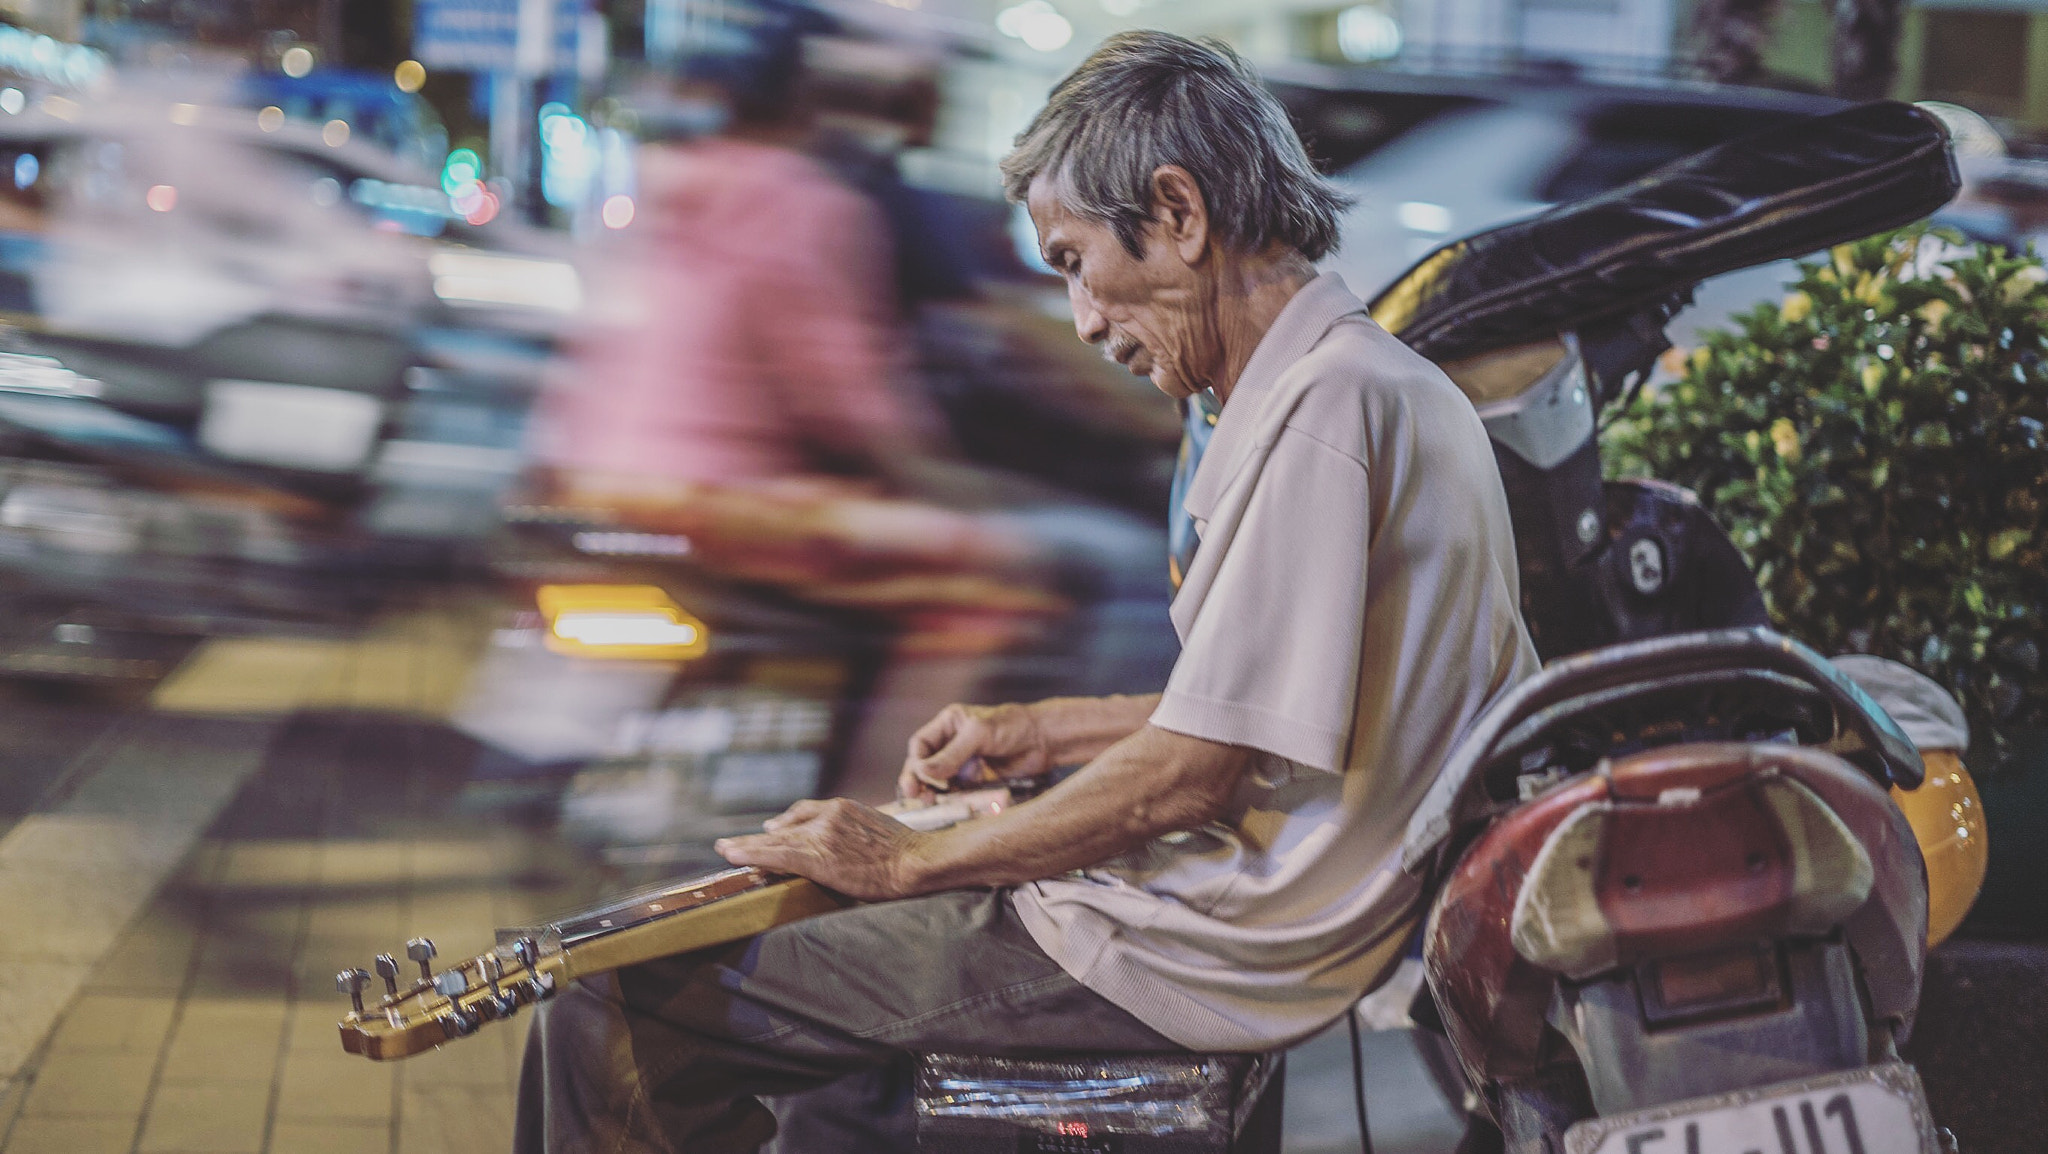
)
(206, 1024)
(209, 1027)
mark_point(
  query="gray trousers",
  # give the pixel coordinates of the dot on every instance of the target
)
(822, 1015)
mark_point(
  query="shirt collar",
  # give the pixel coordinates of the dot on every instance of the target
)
(1301, 324)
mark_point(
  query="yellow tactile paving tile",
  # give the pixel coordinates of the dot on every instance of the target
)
(455, 1120)
(416, 664)
(221, 1039)
(326, 1084)
(220, 1117)
(124, 1023)
(243, 675)
(109, 1134)
(329, 1137)
(88, 1083)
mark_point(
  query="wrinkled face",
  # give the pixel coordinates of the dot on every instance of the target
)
(1153, 314)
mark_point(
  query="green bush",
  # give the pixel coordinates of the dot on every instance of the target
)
(1878, 448)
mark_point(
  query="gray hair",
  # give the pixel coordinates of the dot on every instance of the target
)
(1146, 99)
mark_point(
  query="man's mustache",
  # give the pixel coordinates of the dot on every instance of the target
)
(1120, 348)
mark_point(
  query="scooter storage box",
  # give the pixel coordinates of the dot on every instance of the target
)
(1088, 1104)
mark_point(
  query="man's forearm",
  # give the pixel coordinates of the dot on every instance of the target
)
(1079, 729)
(1151, 783)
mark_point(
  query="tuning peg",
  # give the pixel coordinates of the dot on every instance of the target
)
(351, 982)
(421, 950)
(527, 951)
(387, 969)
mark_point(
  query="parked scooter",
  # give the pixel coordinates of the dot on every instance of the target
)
(1675, 912)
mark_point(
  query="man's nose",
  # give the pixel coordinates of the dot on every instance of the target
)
(1088, 321)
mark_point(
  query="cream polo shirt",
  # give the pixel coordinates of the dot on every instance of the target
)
(1351, 608)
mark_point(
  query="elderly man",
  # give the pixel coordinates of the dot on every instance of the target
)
(1223, 871)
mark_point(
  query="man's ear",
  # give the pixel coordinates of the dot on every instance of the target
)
(1180, 211)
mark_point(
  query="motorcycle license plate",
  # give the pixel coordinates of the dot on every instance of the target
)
(1875, 1110)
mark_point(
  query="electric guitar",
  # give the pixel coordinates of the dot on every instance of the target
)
(530, 965)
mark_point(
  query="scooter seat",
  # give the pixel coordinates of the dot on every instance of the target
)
(1783, 192)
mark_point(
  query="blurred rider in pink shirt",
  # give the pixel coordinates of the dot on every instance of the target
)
(741, 382)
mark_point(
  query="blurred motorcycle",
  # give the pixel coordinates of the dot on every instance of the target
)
(250, 376)
(1675, 909)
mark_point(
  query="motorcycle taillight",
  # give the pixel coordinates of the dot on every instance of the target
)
(1735, 981)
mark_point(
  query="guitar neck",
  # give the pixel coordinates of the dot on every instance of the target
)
(528, 966)
(709, 911)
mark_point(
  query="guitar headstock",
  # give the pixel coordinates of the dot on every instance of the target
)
(435, 1008)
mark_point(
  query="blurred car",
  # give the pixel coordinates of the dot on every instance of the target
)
(1434, 158)
(401, 122)
(181, 227)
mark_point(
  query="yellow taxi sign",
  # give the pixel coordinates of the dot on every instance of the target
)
(637, 622)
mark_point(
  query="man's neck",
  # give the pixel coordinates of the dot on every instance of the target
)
(1251, 292)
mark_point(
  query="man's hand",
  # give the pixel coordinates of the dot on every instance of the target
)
(1006, 739)
(840, 844)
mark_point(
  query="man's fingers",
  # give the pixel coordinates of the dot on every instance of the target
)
(928, 767)
(937, 732)
(911, 787)
(760, 850)
(938, 768)
(803, 811)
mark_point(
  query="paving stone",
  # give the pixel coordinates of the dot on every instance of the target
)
(476, 1061)
(166, 779)
(229, 974)
(357, 918)
(201, 864)
(35, 990)
(337, 1085)
(222, 1039)
(73, 914)
(96, 1082)
(451, 919)
(348, 864)
(268, 863)
(313, 1027)
(12, 1093)
(257, 922)
(155, 963)
(330, 1138)
(115, 1022)
(246, 675)
(111, 1134)
(455, 1120)
(214, 1116)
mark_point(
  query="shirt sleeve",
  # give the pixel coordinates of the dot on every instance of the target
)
(1271, 658)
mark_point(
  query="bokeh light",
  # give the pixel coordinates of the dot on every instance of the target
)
(409, 76)
(161, 197)
(486, 210)
(618, 211)
(297, 61)
(335, 133)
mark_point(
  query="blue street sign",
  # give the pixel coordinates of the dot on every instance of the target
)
(483, 35)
